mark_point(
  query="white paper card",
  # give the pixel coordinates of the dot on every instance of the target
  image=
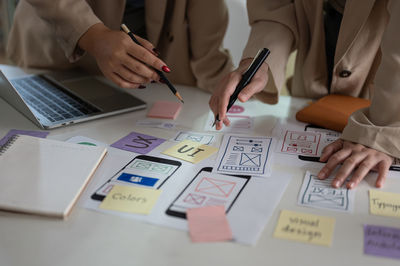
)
(320, 194)
(244, 155)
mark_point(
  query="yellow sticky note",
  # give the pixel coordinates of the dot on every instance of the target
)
(190, 151)
(303, 227)
(130, 199)
(384, 203)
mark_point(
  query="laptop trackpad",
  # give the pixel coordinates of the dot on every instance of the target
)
(101, 94)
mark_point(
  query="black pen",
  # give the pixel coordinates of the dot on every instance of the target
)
(162, 76)
(246, 78)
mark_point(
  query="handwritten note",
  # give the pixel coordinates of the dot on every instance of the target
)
(382, 241)
(318, 193)
(384, 203)
(130, 199)
(208, 224)
(137, 142)
(190, 151)
(307, 228)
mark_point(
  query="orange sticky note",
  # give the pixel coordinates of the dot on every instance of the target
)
(208, 224)
(163, 109)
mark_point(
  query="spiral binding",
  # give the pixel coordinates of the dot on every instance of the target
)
(8, 144)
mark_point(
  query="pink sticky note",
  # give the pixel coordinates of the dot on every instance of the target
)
(163, 109)
(208, 224)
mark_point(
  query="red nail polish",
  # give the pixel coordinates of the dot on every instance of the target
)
(166, 69)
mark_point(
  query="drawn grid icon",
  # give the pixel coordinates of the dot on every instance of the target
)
(256, 149)
(250, 159)
(215, 187)
(238, 148)
(194, 199)
(141, 165)
(326, 197)
(195, 138)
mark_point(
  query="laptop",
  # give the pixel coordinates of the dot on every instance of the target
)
(58, 99)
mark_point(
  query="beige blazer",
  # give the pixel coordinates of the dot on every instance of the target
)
(188, 35)
(284, 26)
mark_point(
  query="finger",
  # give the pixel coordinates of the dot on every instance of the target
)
(230, 86)
(130, 76)
(148, 45)
(143, 55)
(212, 104)
(383, 170)
(347, 168)
(256, 85)
(139, 68)
(331, 149)
(226, 121)
(122, 83)
(333, 161)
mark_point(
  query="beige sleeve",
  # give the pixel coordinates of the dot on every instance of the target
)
(273, 26)
(208, 20)
(69, 20)
(378, 126)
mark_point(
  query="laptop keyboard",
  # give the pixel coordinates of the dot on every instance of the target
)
(50, 101)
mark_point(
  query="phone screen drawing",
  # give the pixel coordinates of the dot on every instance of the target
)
(144, 171)
(207, 189)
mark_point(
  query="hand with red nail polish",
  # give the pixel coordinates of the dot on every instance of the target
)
(124, 62)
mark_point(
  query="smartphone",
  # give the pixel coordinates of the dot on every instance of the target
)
(207, 189)
(143, 171)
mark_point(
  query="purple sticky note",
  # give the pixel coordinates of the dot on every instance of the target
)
(12, 132)
(139, 143)
(382, 241)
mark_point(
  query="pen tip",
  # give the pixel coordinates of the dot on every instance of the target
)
(179, 97)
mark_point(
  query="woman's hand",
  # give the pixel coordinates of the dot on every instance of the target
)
(121, 60)
(354, 157)
(220, 98)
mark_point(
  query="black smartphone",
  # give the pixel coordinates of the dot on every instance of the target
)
(207, 189)
(144, 171)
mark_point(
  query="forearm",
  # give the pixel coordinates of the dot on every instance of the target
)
(70, 19)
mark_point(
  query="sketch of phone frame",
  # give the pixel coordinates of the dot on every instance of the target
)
(182, 215)
(97, 195)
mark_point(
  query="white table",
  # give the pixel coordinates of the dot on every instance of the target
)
(92, 238)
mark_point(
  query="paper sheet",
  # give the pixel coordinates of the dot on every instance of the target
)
(190, 151)
(137, 142)
(86, 141)
(208, 224)
(203, 138)
(244, 155)
(320, 194)
(256, 201)
(130, 199)
(156, 124)
(384, 203)
(303, 227)
(382, 241)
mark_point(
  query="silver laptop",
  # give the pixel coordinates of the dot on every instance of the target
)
(62, 98)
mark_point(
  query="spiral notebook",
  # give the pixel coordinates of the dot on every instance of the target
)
(44, 176)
